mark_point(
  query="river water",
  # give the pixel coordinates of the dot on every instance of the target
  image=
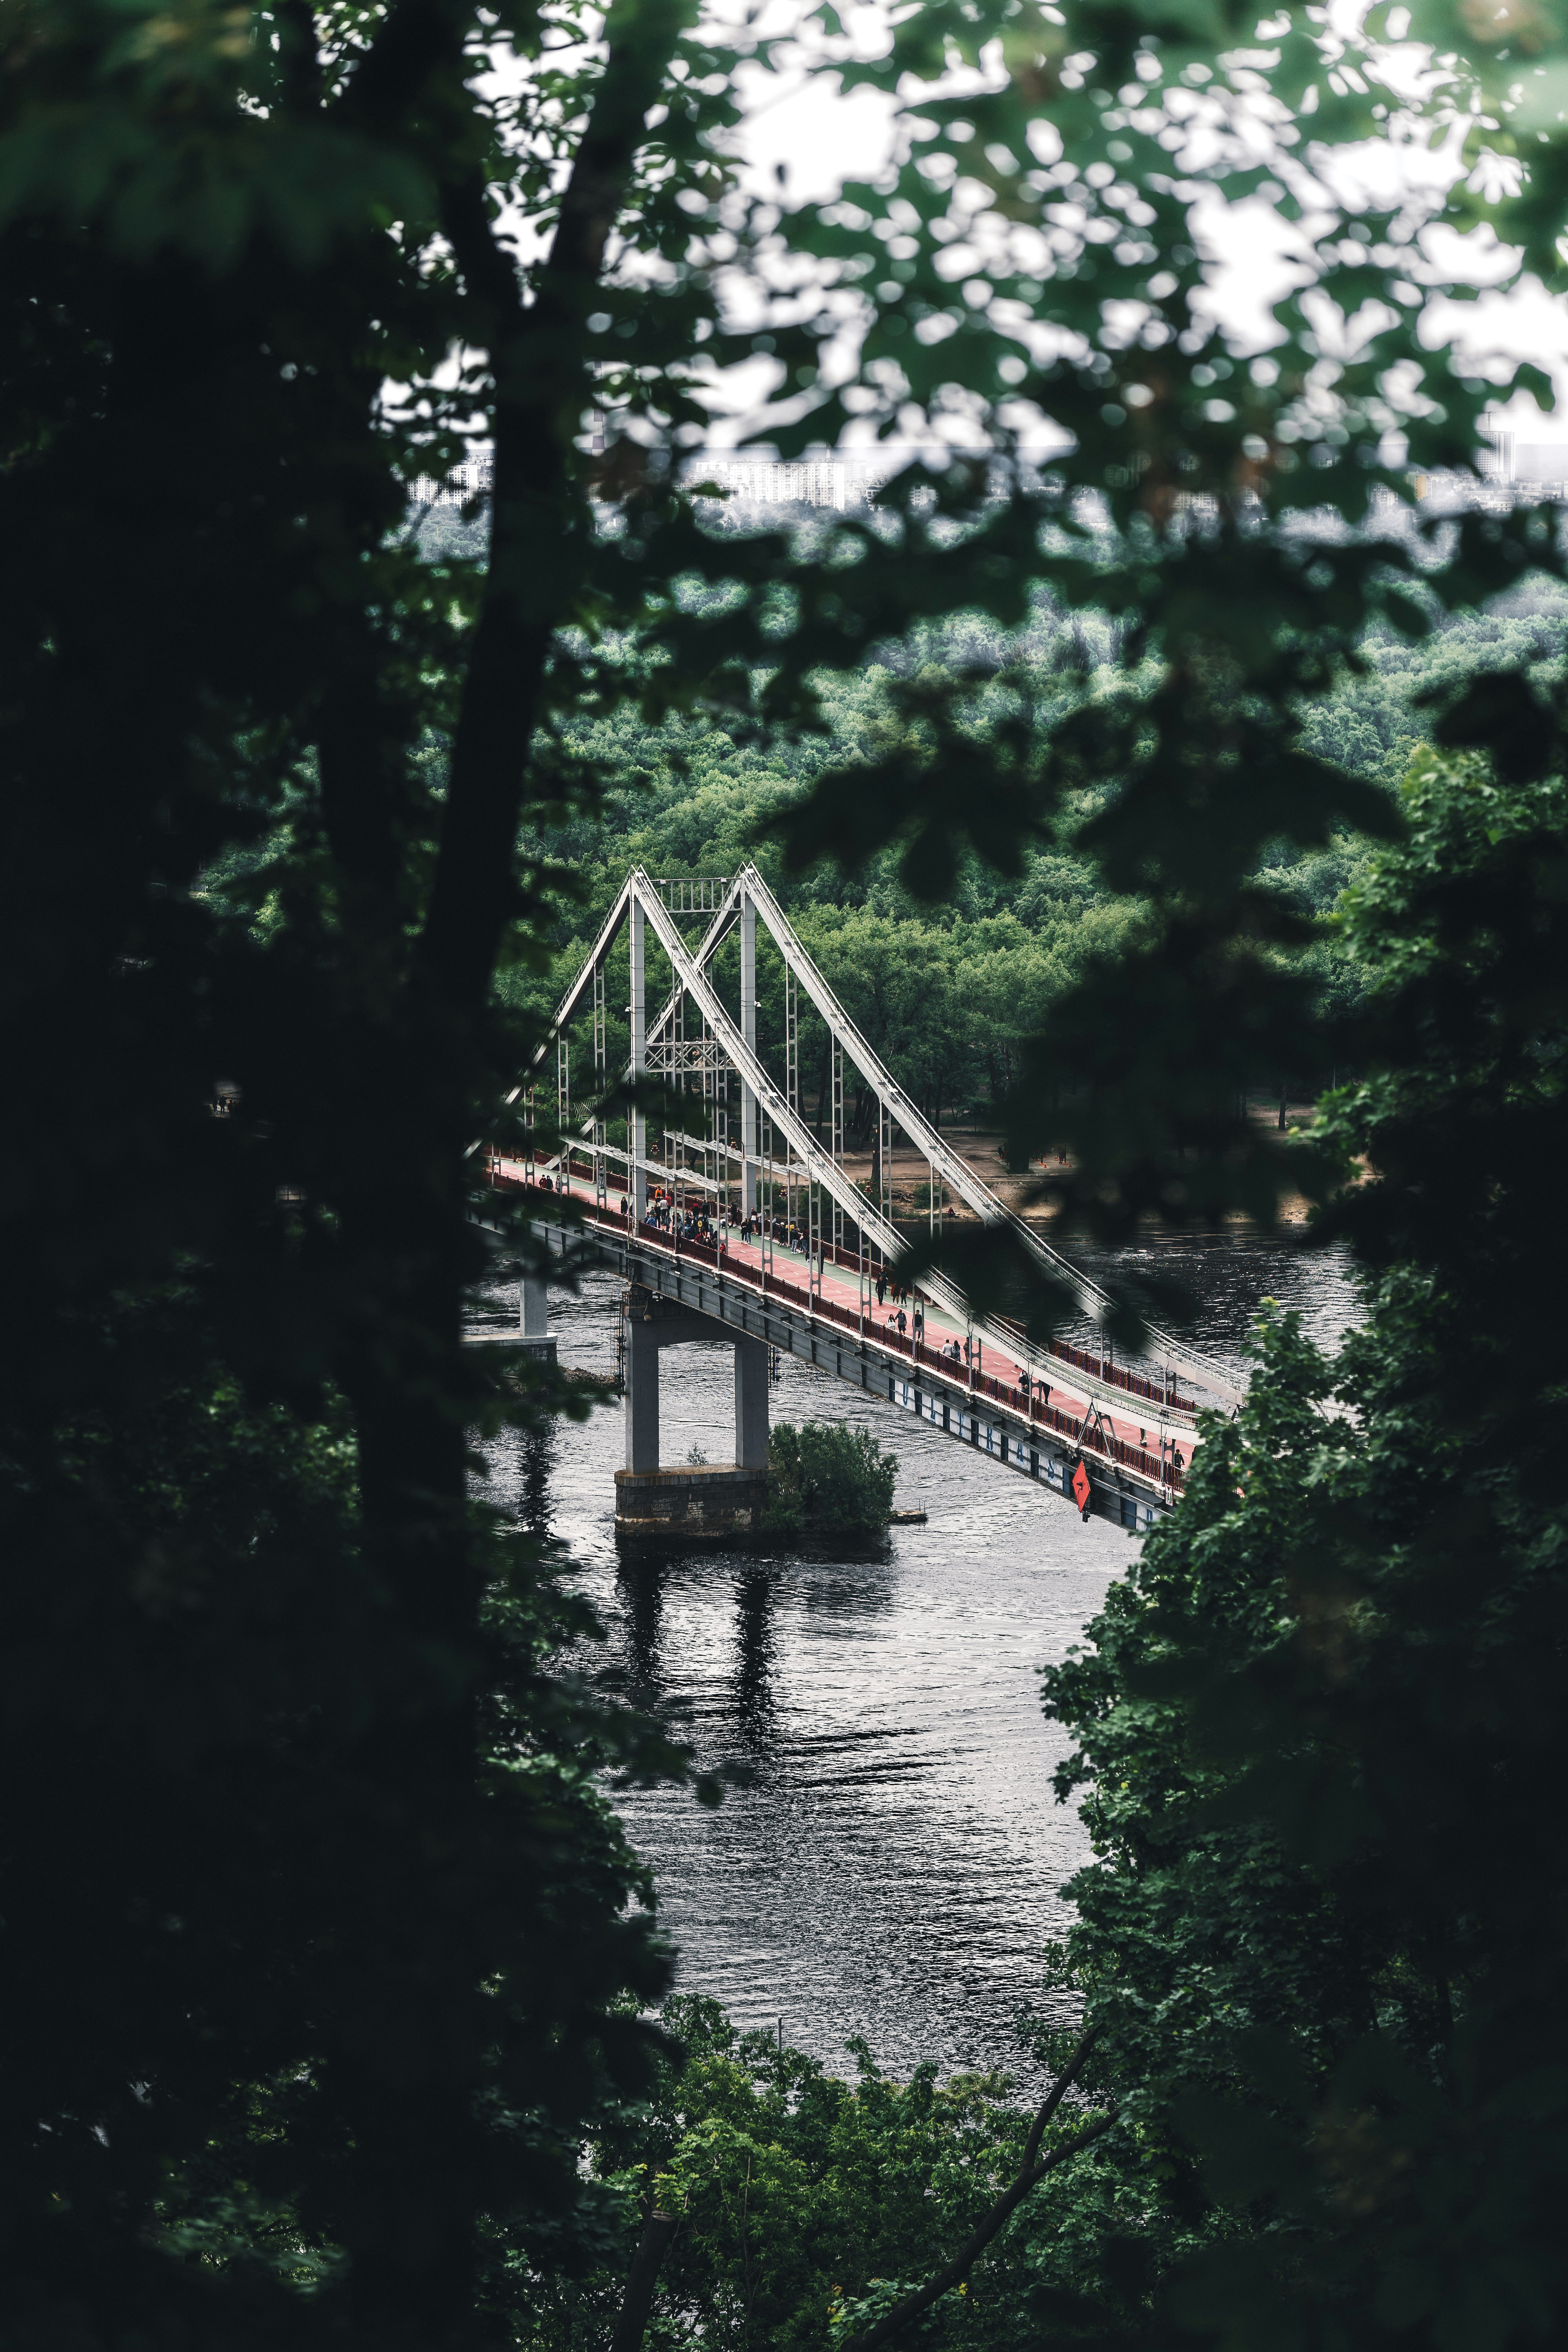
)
(893, 1869)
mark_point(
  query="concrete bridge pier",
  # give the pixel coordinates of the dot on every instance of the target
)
(533, 1309)
(751, 1405)
(707, 1499)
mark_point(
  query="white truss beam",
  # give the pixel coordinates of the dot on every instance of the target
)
(822, 1168)
(955, 1171)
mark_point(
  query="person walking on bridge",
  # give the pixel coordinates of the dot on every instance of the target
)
(920, 1322)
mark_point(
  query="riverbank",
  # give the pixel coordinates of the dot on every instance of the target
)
(980, 1145)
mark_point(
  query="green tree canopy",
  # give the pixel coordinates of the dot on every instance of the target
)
(1317, 1731)
(827, 1478)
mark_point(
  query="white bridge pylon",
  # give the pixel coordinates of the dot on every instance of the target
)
(743, 899)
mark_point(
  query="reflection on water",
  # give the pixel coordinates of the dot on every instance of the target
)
(893, 1867)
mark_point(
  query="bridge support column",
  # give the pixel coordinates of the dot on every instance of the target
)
(533, 1311)
(751, 1405)
(701, 1498)
(751, 1142)
(642, 1394)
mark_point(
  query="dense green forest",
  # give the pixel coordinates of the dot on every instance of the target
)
(947, 993)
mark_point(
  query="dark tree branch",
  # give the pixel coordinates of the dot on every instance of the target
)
(538, 539)
(416, 36)
(1031, 2171)
(359, 792)
(300, 61)
(642, 42)
(489, 277)
(1055, 2094)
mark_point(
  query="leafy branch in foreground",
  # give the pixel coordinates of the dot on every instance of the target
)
(806, 2207)
(1031, 2170)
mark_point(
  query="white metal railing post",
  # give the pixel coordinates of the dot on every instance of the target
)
(601, 1166)
(564, 1099)
(748, 1104)
(814, 1239)
(709, 1082)
(838, 1144)
(637, 1125)
(791, 1040)
(675, 1138)
(791, 1082)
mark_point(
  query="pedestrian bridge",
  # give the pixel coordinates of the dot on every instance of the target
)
(754, 1233)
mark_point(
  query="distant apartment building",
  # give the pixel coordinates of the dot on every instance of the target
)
(745, 479)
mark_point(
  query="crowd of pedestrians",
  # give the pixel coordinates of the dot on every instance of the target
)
(755, 1226)
(692, 1220)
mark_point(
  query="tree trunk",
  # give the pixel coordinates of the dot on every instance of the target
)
(641, 2280)
(405, 2051)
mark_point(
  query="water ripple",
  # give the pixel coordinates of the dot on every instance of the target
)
(894, 1867)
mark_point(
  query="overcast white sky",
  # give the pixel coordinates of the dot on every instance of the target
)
(800, 118)
(822, 138)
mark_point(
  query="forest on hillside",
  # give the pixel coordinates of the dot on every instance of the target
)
(947, 993)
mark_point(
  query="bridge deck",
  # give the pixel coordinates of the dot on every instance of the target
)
(1124, 1453)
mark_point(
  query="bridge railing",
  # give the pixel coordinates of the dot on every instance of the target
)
(1036, 1411)
(1163, 1469)
(1118, 1377)
(1100, 1368)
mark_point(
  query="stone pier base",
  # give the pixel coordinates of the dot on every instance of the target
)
(700, 1499)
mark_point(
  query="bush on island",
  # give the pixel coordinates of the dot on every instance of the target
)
(827, 1478)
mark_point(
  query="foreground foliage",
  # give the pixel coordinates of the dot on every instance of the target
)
(217, 1936)
(1319, 1727)
(806, 2204)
